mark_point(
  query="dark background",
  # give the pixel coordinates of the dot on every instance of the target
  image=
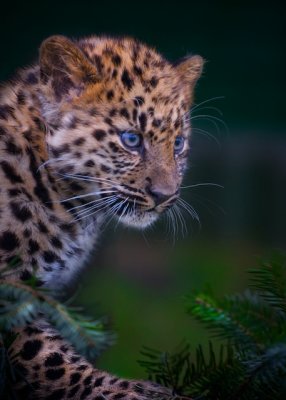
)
(139, 279)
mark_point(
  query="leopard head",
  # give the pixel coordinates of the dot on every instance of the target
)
(118, 119)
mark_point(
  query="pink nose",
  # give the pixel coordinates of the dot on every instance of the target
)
(158, 196)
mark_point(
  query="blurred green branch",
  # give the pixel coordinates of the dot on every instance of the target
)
(23, 303)
(250, 363)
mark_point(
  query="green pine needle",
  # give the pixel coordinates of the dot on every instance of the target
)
(252, 363)
(21, 304)
(269, 280)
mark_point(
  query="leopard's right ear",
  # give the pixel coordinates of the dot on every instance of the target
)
(64, 65)
(190, 68)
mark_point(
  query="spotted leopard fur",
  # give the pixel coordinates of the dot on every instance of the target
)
(65, 170)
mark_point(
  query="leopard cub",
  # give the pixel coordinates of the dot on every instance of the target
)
(97, 129)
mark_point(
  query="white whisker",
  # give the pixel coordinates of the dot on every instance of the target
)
(169, 224)
(207, 134)
(184, 228)
(103, 202)
(173, 225)
(80, 196)
(88, 214)
(122, 213)
(190, 210)
(209, 108)
(203, 184)
(203, 200)
(90, 202)
(207, 101)
(110, 213)
(212, 119)
(88, 178)
(94, 204)
(50, 161)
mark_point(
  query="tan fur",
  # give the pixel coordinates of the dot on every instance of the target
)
(61, 153)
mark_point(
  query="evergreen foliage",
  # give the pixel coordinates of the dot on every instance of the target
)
(23, 303)
(250, 363)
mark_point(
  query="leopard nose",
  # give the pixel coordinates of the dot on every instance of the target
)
(159, 196)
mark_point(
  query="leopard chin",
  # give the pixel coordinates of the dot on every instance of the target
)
(140, 220)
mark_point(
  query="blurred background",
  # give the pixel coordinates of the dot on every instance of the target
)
(239, 141)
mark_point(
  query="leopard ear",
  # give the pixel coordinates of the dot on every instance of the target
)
(64, 64)
(190, 69)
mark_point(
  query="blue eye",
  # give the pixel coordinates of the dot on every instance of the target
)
(131, 140)
(179, 144)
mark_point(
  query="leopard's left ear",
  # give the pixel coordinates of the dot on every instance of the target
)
(64, 65)
(190, 68)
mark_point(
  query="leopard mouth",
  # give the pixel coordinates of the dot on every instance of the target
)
(126, 205)
(137, 214)
(139, 219)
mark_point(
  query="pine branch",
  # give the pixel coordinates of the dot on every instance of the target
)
(245, 319)
(270, 367)
(254, 324)
(269, 280)
(189, 374)
(21, 304)
(88, 336)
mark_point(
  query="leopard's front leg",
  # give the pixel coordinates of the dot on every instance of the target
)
(50, 369)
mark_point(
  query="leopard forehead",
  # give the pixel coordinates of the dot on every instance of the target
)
(132, 71)
(129, 86)
(104, 70)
